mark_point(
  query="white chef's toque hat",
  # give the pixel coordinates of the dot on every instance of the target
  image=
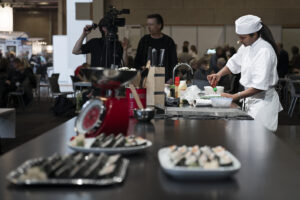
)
(247, 24)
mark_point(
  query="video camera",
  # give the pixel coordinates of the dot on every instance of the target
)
(111, 20)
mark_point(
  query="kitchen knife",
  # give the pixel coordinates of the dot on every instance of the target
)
(154, 57)
(161, 57)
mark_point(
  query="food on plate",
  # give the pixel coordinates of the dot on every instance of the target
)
(204, 157)
(110, 141)
(78, 140)
(77, 165)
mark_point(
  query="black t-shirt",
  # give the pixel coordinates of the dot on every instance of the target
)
(97, 48)
(164, 42)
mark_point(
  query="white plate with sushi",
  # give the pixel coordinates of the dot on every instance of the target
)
(128, 145)
(198, 162)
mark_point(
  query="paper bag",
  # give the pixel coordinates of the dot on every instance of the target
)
(155, 86)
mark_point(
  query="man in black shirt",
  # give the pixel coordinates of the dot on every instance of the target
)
(156, 39)
(97, 47)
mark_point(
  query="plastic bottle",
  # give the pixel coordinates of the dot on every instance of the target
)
(176, 83)
(182, 87)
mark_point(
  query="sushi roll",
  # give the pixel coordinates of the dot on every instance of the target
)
(140, 141)
(119, 136)
(64, 170)
(77, 171)
(173, 148)
(130, 141)
(120, 142)
(107, 170)
(98, 140)
(113, 159)
(91, 171)
(196, 150)
(108, 141)
(218, 150)
(58, 164)
(178, 153)
(213, 164)
(191, 161)
(225, 160)
(202, 160)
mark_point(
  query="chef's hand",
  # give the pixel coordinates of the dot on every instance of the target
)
(234, 97)
(213, 79)
(86, 30)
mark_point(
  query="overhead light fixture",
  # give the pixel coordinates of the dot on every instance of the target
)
(43, 3)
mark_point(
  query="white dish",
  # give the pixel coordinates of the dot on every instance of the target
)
(109, 150)
(221, 102)
(191, 173)
(210, 96)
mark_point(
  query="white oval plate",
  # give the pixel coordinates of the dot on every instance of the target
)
(190, 173)
(122, 150)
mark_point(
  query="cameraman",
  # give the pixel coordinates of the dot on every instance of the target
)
(156, 39)
(98, 47)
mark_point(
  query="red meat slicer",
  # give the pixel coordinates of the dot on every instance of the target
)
(105, 113)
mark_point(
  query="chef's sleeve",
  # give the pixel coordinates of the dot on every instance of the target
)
(262, 67)
(235, 62)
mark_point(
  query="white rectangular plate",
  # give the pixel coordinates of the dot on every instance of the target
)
(191, 173)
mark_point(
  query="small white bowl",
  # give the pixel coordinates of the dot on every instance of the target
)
(221, 102)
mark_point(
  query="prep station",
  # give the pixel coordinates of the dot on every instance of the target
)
(247, 161)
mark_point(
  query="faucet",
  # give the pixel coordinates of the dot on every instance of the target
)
(179, 64)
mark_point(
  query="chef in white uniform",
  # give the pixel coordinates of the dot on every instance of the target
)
(256, 60)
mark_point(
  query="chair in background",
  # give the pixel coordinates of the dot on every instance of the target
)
(73, 78)
(18, 95)
(54, 87)
(43, 85)
(37, 92)
(294, 88)
(55, 75)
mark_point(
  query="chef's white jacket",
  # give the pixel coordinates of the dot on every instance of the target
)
(257, 64)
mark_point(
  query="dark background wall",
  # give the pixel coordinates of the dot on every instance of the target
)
(37, 23)
(211, 12)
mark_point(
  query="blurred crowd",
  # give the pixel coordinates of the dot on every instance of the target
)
(212, 63)
(18, 75)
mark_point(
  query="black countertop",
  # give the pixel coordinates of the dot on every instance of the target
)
(270, 169)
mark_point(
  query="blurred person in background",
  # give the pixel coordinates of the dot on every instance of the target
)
(78, 72)
(4, 89)
(185, 56)
(157, 40)
(194, 52)
(295, 61)
(22, 79)
(200, 67)
(283, 61)
(213, 60)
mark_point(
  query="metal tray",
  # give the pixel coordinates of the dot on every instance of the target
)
(13, 176)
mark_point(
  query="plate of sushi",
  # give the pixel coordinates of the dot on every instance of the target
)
(73, 169)
(196, 162)
(110, 144)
